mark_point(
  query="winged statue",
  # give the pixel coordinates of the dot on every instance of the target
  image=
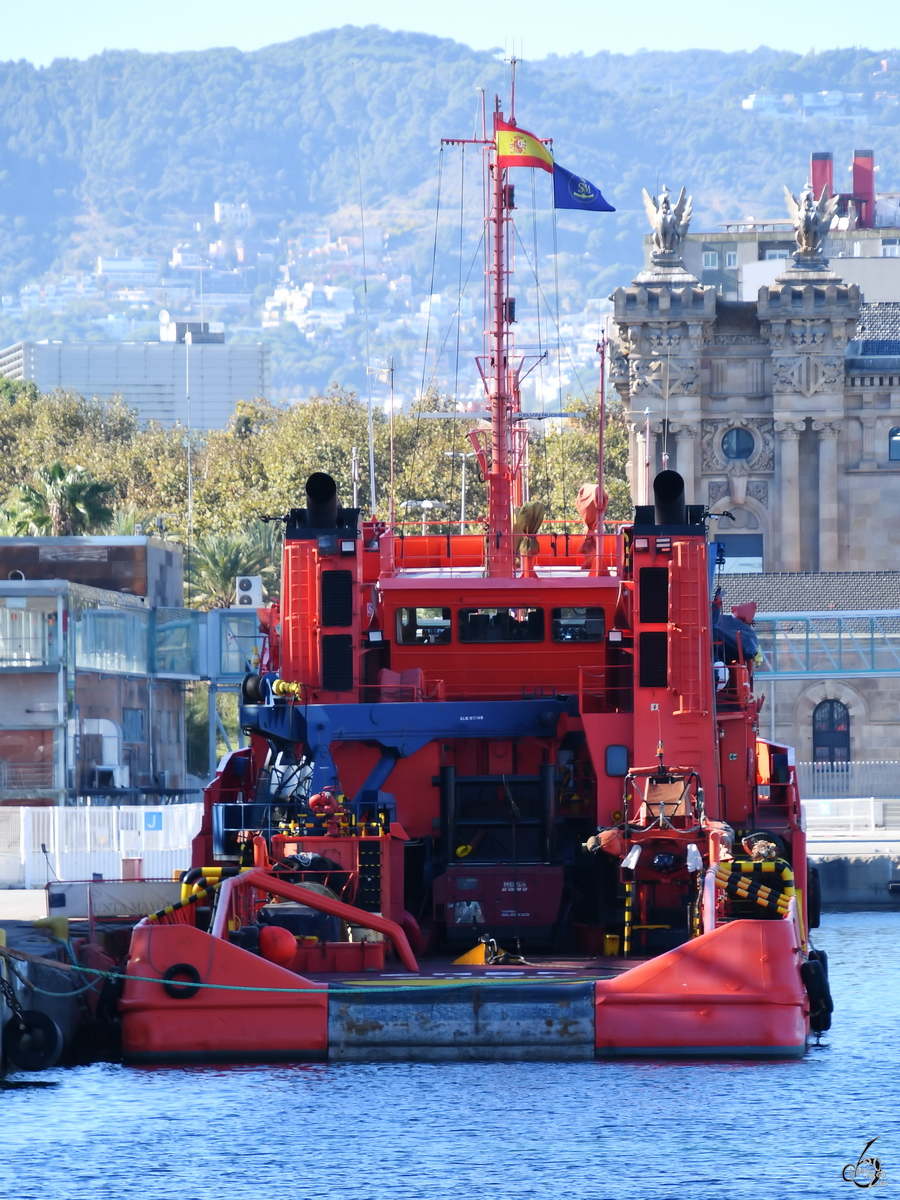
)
(812, 220)
(669, 222)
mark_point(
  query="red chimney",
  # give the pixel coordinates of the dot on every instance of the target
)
(864, 186)
(822, 172)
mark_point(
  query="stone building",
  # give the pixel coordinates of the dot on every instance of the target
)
(783, 415)
(754, 404)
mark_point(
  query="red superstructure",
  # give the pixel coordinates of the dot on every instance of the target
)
(508, 740)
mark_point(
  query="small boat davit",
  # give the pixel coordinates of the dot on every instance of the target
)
(505, 794)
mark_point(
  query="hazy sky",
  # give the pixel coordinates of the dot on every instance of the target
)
(46, 29)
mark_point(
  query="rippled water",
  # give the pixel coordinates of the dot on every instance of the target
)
(598, 1131)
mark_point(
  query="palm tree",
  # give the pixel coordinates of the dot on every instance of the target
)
(214, 560)
(61, 501)
(124, 519)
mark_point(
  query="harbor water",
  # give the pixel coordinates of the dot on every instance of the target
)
(586, 1131)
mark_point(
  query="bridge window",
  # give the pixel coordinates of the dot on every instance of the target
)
(831, 732)
(578, 624)
(501, 624)
(894, 445)
(423, 626)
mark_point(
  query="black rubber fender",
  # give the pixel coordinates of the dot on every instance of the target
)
(34, 1043)
(821, 1006)
(181, 990)
(813, 896)
(819, 956)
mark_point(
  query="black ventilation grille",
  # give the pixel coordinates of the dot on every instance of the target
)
(654, 595)
(337, 598)
(654, 665)
(337, 662)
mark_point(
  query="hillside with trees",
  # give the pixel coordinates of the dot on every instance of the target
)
(126, 154)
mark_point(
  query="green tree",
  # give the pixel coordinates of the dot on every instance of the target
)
(214, 560)
(61, 501)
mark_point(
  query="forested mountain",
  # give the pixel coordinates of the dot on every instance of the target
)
(125, 152)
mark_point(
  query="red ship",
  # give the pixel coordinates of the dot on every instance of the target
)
(505, 796)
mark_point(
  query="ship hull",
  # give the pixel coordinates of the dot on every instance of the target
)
(734, 993)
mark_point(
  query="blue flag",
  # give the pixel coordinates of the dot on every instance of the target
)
(571, 191)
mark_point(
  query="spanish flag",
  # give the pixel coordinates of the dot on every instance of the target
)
(519, 148)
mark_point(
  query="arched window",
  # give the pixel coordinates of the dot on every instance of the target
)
(738, 443)
(894, 445)
(831, 732)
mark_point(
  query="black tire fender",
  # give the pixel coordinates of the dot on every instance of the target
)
(33, 1044)
(819, 956)
(821, 1006)
(181, 981)
(813, 896)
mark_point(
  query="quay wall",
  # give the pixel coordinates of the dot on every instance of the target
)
(857, 879)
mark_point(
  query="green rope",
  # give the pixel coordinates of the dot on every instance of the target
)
(33, 987)
(328, 988)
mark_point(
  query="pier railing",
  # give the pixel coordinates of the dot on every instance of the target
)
(859, 815)
(839, 781)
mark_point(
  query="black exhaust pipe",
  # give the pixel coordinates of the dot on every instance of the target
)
(668, 495)
(321, 501)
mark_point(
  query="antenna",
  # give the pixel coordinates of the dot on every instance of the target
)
(188, 342)
(362, 228)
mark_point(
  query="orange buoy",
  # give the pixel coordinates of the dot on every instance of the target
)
(277, 945)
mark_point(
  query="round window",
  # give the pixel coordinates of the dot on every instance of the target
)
(737, 443)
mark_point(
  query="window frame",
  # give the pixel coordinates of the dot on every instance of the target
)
(736, 431)
(425, 641)
(493, 611)
(556, 621)
(831, 738)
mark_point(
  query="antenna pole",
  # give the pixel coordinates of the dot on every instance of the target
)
(647, 453)
(601, 348)
(391, 501)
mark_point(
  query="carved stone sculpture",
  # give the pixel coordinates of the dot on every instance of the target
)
(812, 220)
(669, 224)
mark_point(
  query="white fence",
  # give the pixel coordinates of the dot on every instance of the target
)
(860, 814)
(40, 844)
(824, 780)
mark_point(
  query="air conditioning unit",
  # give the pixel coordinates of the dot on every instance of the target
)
(249, 591)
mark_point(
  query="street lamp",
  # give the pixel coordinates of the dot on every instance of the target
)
(464, 455)
(426, 506)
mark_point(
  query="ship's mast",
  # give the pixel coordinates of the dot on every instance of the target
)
(502, 462)
(500, 377)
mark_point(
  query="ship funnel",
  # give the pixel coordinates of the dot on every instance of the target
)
(668, 496)
(322, 501)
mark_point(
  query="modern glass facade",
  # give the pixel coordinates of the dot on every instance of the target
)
(92, 690)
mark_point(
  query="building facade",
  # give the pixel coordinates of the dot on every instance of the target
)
(196, 383)
(94, 651)
(753, 404)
